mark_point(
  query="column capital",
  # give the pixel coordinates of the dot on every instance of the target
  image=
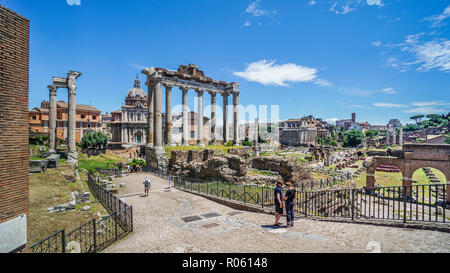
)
(212, 93)
(232, 87)
(168, 86)
(200, 91)
(52, 89)
(184, 89)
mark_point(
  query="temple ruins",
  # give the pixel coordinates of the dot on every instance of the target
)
(69, 83)
(185, 78)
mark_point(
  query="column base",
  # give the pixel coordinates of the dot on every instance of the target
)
(72, 158)
(156, 157)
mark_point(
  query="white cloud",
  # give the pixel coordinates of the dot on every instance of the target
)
(431, 103)
(427, 110)
(437, 20)
(253, 9)
(388, 90)
(374, 2)
(312, 3)
(388, 105)
(137, 66)
(73, 2)
(377, 43)
(323, 83)
(424, 55)
(247, 24)
(347, 6)
(269, 73)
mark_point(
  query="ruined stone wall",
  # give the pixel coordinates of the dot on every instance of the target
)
(14, 79)
(290, 170)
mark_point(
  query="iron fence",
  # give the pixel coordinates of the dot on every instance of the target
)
(95, 235)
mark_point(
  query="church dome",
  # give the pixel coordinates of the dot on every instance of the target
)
(137, 91)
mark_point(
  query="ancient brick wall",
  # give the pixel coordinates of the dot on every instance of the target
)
(14, 65)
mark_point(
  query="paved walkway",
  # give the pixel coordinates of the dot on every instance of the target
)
(171, 221)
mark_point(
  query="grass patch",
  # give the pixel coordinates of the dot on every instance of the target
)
(48, 189)
(104, 161)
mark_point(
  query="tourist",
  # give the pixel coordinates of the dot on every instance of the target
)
(289, 199)
(147, 186)
(170, 179)
(278, 196)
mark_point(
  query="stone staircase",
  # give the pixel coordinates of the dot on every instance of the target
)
(388, 169)
(431, 176)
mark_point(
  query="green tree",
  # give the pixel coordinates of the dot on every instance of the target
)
(96, 140)
(353, 138)
(417, 118)
(435, 118)
(370, 134)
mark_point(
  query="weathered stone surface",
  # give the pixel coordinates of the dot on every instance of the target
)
(195, 156)
(53, 161)
(38, 166)
(178, 158)
(289, 170)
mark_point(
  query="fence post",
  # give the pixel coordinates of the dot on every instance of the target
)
(63, 241)
(217, 189)
(244, 195)
(404, 204)
(306, 204)
(115, 224)
(262, 197)
(95, 235)
(444, 202)
(353, 204)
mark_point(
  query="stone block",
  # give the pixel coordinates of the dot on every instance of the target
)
(53, 161)
(38, 166)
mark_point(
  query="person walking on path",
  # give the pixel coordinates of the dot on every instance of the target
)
(170, 179)
(147, 186)
(278, 197)
(289, 199)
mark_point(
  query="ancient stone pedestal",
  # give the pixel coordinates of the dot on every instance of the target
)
(156, 157)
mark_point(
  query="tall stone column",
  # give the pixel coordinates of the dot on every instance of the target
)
(213, 117)
(236, 117)
(169, 115)
(52, 119)
(150, 114)
(158, 142)
(72, 156)
(225, 117)
(401, 136)
(388, 137)
(200, 117)
(394, 137)
(185, 138)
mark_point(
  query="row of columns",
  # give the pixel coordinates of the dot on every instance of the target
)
(69, 83)
(394, 137)
(155, 116)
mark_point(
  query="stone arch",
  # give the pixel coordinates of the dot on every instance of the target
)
(442, 171)
(377, 162)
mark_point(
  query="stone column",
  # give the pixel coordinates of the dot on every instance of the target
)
(150, 114)
(213, 117)
(52, 119)
(225, 117)
(236, 117)
(72, 156)
(394, 137)
(185, 138)
(388, 137)
(169, 115)
(401, 136)
(200, 117)
(158, 142)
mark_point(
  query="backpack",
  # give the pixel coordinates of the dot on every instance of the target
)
(147, 183)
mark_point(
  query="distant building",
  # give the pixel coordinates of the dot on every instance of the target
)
(128, 126)
(88, 118)
(303, 131)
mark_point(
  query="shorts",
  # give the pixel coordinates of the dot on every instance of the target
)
(278, 209)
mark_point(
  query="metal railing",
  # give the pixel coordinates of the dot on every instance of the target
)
(95, 235)
(415, 203)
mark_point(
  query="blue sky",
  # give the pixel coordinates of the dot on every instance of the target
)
(382, 59)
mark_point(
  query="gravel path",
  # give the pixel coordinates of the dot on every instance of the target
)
(159, 227)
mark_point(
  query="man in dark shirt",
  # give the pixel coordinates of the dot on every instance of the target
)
(289, 199)
(278, 197)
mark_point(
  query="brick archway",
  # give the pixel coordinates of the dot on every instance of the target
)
(413, 157)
